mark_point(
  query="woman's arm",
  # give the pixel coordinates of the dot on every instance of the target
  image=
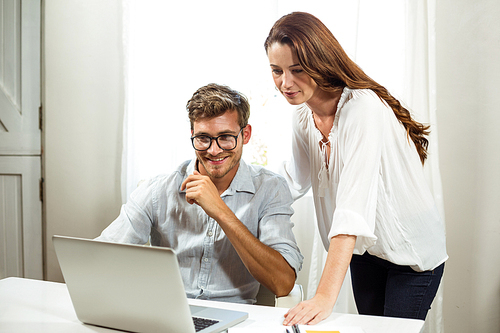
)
(319, 307)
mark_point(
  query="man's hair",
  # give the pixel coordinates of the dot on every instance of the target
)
(214, 100)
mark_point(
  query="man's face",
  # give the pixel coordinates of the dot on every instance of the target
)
(217, 163)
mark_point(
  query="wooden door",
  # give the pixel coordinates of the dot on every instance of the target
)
(20, 140)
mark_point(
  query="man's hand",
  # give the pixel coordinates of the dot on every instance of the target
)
(264, 263)
(202, 191)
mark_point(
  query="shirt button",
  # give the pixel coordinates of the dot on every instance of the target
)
(210, 234)
(205, 259)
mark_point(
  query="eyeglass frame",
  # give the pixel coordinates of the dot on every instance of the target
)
(217, 140)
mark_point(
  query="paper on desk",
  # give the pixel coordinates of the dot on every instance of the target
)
(305, 329)
(332, 330)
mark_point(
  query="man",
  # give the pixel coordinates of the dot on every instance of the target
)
(228, 222)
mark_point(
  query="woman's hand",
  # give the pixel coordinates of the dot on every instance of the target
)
(310, 312)
(319, 307)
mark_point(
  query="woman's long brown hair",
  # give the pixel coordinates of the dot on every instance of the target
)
(326, 62)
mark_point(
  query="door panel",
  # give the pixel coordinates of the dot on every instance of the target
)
(21, 251)
(20, 217)
(20, 77)
(11, 224)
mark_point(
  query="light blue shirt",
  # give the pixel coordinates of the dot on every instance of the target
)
(209, 264)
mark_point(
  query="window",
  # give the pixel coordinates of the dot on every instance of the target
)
(173, 48)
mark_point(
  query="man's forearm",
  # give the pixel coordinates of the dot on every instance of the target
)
(264, 263)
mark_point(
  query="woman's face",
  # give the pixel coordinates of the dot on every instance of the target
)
(289, 77)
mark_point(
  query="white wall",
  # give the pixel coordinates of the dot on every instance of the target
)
(83, 106)
(468, 100)
(82, 98)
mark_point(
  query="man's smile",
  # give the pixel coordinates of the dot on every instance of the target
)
(216, 160)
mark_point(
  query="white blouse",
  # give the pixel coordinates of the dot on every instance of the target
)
(373, 186)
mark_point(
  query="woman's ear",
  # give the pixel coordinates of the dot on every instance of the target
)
(247, 133)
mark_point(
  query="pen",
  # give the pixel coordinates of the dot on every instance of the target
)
(295, 328)
(287, 331)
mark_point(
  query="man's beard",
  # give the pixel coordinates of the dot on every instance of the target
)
(219, 171)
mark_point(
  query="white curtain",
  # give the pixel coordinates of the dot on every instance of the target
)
(420, 95)
(173, 48)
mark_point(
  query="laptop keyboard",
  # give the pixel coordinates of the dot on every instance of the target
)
(201, 323)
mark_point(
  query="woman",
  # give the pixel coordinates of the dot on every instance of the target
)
(362, 154)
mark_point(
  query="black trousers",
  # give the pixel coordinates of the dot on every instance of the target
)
(386, 289)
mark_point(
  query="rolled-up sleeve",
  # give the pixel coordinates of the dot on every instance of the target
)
(275, 226)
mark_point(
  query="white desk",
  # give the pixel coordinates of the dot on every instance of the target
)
(40, 306)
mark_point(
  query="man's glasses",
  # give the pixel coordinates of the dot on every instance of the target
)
(224, 141)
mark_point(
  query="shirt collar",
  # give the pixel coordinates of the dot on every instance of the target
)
(344, 97)
(242, 181)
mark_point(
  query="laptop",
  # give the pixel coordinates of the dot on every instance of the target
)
(132, 288)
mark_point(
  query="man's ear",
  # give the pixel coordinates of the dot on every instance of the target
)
(247, 133)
